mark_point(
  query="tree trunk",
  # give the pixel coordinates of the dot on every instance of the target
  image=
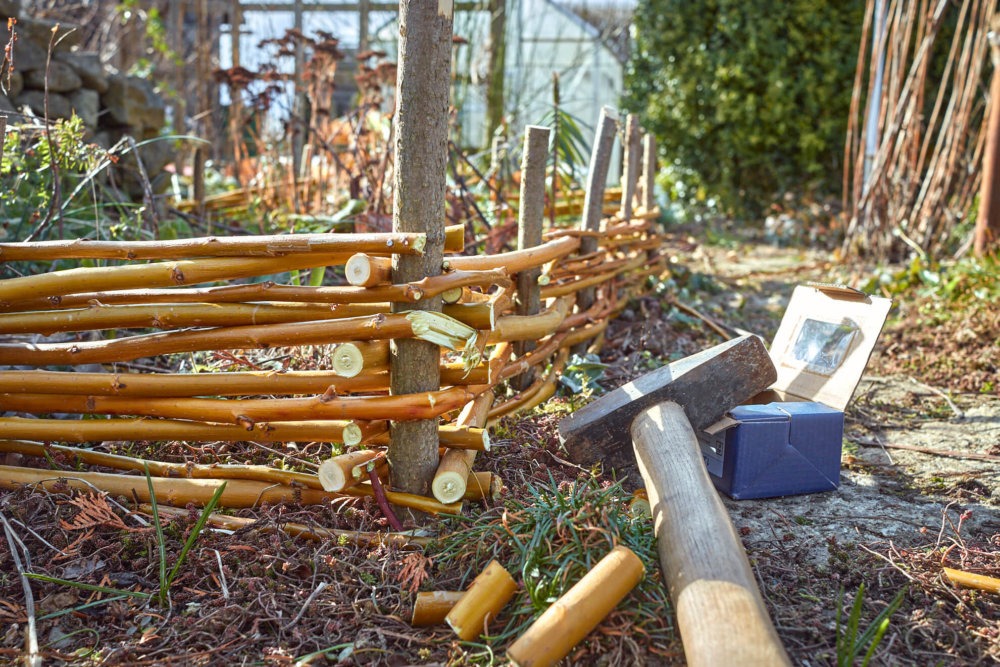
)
(422, 87)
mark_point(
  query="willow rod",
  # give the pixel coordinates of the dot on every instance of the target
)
(258, 473)
(160, 274)
(98, 316)
(266, 291)
(239, 493)
(179, 385)
(377, 327)
(427, 405)
(164, 430)
(273, 245)
(518, 260)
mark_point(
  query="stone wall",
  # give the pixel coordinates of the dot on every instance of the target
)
(110, 104)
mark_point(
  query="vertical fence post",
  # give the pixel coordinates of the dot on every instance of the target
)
(529, 228)
(630, 177)
(421, 127)
(593, 203)
(649, 172)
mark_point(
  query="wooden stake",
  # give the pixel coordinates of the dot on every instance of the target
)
(529, 228)
(431, 607)
(578, 611)
(630, 175)
(649, 173)
(482, 601)
(600, 161)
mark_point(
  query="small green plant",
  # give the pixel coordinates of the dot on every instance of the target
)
(582, 373)
(849, 643)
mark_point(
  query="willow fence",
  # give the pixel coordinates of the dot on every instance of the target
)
(219, 295)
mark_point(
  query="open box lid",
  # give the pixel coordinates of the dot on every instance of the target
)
(824, 342)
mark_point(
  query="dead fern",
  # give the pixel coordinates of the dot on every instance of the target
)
(94, 511)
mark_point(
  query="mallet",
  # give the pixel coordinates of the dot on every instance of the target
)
(651, 421)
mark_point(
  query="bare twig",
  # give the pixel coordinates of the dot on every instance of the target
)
(32, 657)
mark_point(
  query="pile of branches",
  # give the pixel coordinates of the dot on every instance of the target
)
(914, 157)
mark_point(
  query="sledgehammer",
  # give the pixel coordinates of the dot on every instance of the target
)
(720, 612)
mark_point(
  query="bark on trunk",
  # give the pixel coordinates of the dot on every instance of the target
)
(425, 30)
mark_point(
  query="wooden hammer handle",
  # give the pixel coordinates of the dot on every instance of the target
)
(720, 613)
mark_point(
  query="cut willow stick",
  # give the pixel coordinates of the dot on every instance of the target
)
(454, 238)
(272, 245)
(248, 412)
(572, 617)
(431, 607)
(530, 327)
(485, 597)
(435, 327)
(270, 291)
(455, 468)
(160, 274)
(969, 580)
(165, 430)
(364, 270)
(483, 485)
(454, 437)
(540, 390)
(361, 538)
(335, 474)
(516, 261)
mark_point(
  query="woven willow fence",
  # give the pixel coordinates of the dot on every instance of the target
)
(165, 298)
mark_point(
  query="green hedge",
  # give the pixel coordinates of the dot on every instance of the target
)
(747, 98)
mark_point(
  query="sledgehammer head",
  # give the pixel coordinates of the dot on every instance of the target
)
(706, 385)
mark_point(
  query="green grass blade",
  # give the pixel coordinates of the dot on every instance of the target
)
(195, 532)
(87, 587)
(81, 607)
(161, 544)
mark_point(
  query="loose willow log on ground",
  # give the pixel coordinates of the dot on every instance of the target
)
(488, 593)
(431, 607)
(571, 618)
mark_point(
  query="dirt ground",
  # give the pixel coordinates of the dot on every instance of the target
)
(899, 514)
(259, 597)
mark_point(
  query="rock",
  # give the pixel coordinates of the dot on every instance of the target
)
(87, 104)
(59, 106)
(39, 31)
(10, 8)
(14, 85)
(132, 101)
(6, 106)
(62, 78)
(87, 65)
